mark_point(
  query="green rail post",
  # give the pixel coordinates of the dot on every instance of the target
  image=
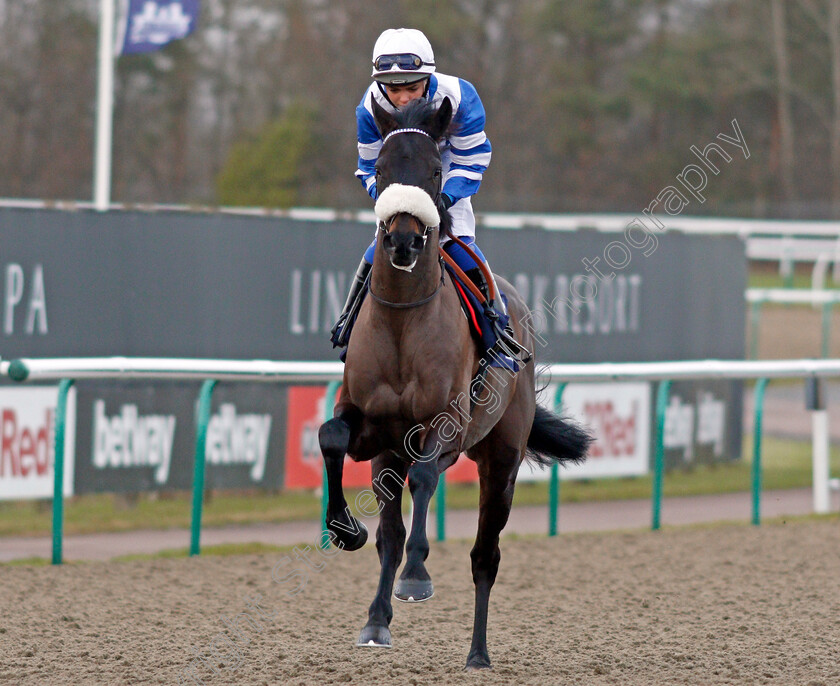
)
(205, 398)
(659, 455)
(756, 463)
(755, 327)
(826, 329)
(329, 408)
(64, 387)
(440, 508)
(554, 477)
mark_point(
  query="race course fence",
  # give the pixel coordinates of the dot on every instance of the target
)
(68, 370)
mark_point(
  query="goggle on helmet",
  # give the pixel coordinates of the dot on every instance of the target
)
(402, 56)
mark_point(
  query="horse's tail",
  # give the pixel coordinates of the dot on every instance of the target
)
(557, 439)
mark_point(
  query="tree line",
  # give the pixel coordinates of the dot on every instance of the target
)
(591, 106)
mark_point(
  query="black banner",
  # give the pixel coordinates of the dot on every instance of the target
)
(134, 436)
(168, 284)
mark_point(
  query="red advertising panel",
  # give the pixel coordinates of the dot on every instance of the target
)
(27, 442)
(304, 464)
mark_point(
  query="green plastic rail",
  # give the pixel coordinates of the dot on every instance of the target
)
(760, 385)
(204, 410)
(205, 399)
(554, 477)
(58, 485)
(440, 508)
(659, 457)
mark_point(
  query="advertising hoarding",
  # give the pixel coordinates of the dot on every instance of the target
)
(140, 436)
(27, 442)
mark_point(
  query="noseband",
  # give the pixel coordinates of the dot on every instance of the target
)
(383, 227)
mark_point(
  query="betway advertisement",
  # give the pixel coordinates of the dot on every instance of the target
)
(141, 437)
(27, 442)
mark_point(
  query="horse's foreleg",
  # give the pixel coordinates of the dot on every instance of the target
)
(497, 484)
(345, 530)
(388, 478)
(415, 584)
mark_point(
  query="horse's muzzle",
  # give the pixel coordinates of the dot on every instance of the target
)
(403, 249)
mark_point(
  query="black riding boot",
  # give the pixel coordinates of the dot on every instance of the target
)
(506, 344)
(340, 334)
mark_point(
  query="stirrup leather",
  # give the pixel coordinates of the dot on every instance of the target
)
(340, 333)
(506, 344)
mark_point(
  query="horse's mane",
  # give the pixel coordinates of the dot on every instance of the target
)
(417, 114)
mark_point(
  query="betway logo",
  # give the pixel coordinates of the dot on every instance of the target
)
(238, 439)
(24, 450)
(131, 440)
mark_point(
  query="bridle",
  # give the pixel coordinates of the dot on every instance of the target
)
(437, 195)
(383, 227)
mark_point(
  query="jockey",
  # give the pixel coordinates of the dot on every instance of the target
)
(404, 70)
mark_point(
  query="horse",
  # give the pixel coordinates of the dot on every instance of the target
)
(412, 399)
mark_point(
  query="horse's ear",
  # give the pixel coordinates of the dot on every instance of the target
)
(440, 122)
(385, 122)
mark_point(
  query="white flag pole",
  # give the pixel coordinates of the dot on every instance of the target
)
(104, 108)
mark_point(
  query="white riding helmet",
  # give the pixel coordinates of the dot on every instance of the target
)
(402, 56)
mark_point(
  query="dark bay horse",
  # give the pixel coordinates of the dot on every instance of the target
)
(411, 401)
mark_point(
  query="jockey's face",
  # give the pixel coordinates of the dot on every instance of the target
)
(400, 96)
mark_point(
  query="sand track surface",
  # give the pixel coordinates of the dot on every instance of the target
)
(716, 605)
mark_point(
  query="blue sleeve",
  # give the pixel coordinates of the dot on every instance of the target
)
(470, 147)
(369, 143)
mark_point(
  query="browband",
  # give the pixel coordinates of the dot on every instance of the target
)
(395, 131)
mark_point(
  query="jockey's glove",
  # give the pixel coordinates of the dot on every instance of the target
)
(446, 201)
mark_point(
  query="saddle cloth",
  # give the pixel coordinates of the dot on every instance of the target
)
(481, 328)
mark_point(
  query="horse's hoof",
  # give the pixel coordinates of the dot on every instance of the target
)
(353, 539)
(414, 590)
(476, 663)
(374, 637)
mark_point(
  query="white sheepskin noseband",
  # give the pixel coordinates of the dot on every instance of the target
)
(412, 199)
